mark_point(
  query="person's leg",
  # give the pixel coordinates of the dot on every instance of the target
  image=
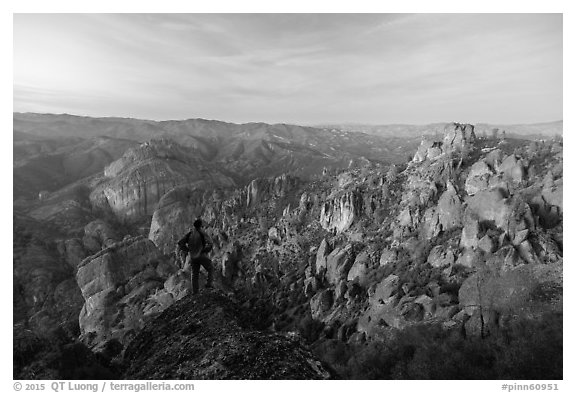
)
(195, 273)
(207, 263)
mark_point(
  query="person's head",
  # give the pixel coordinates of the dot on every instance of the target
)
(198, 223)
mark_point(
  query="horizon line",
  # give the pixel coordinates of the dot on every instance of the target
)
(313, 125)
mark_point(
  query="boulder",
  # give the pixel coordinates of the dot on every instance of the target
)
(449, 208)
(321, 303)
(506, 258)
(512, 169)
(322, 255)
(340, 290)
(382, 311)
(388, 256)
(440, 257)
(478, 177)
(359, 268)
(384, 290)
(422, 152)
(431, 226)
(470, 258)
(428, 305)
(486, 244)
(493, 158)
(338, 264)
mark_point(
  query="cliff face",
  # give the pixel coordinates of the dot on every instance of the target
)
(133, 185)
(265, 189)
(340, 212)
(117, 284)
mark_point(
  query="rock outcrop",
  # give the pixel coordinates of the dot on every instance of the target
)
(174, 216)
(340, 212)
(133, 185)
(265, 188)
(116, 284)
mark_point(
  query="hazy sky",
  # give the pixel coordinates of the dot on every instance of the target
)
(297, 68)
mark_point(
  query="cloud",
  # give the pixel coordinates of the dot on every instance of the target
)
(301, 68)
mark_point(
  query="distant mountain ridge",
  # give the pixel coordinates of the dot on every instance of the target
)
(245, 151)
(546, 129)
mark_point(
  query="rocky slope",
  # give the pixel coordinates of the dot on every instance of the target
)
(210, 337)
(465, 237)
(48, 164)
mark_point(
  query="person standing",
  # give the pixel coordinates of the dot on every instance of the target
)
(196, 245)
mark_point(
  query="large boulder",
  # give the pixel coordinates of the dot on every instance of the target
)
(115, 280)
(322, 256)
(449, 208)
(512, 169)
(509, 215)
(382, 311)
(478, 177)
(360, 268)
(441, 257)
(338, 264)
(388, 256)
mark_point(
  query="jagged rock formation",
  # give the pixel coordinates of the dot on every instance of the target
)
(211, 337)
(466, 236)
(264, 189)
(460, 208)
(340, 211)
(120, 286)
(178, 209)
(133, 185)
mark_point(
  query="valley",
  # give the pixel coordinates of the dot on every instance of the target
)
(359, 254)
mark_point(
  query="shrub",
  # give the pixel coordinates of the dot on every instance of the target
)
(525, 349)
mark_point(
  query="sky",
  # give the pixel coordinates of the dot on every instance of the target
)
(292, 68)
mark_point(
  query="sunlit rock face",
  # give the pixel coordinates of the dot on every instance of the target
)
(134, 184)
(339, 213)
(116, 283)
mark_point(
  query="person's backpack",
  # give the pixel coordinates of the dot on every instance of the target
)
(195, 243)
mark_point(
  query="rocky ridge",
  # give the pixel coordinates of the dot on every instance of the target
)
(467, 236)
